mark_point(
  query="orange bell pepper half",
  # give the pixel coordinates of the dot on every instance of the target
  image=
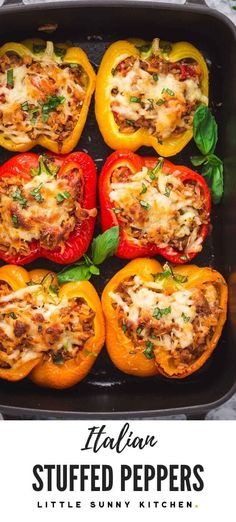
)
(163, 320)
(51, 334)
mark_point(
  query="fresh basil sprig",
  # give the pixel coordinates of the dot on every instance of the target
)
(103, 246)
(205, 136)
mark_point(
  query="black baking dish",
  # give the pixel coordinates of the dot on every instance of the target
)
(107, 393)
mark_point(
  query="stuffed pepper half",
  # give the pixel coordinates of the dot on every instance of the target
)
(51, 334)
(163, 320)
(47, 207)
(161, 208)
(45, 95)
(147, 94)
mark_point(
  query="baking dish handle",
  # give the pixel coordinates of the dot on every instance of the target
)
(196, 2)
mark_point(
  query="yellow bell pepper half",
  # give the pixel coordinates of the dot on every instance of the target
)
(117, 52)
(61, 54)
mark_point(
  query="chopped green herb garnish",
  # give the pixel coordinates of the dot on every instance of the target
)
(25, 106)
(155, 77)
(36, 194)
(51, 105)
(124, 327)
(160, 101)
(186, 318)
(160, 141)
(158, 166)
(145, 204)
(159, 312)
(12, 315)
(39, 48)
(168, 272)
(45, 116)
(139, 330)
(116, 210)
(34, 115)
(148, 352)
(113, 71)
(74, 65)
(90, 353)
(167, 192)
(62, 196)
(129, 122)
(184, 258)
(151, 101)
(168, 91)
(132, 352)
(134, 99)
(15, 221)
(60, 51)
(10, 80)
(151, 174)
(17, 196)
(144, 189)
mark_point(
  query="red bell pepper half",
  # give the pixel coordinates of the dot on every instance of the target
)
(76, 163)
(127, 249)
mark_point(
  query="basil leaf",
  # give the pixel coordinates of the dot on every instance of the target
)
(94, 270)
(76, 273)
(213, 172)
(204, 130)
(198, 160)
(105, 245)
(10, 79)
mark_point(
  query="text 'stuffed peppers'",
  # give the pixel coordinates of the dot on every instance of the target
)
(147, 94)
(163, 320)
(45, 96)
(161, 208)
(51, 334)
(48, 207)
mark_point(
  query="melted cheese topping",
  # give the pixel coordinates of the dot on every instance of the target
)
(33, 322)
(156, 319)
(162, 103)
(164, 210)
(45, 98)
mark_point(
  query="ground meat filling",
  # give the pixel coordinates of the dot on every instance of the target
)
(152, 93)
(40, 97)
(181, 322)
(46, 208)
(159, 208)
(33, 322)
